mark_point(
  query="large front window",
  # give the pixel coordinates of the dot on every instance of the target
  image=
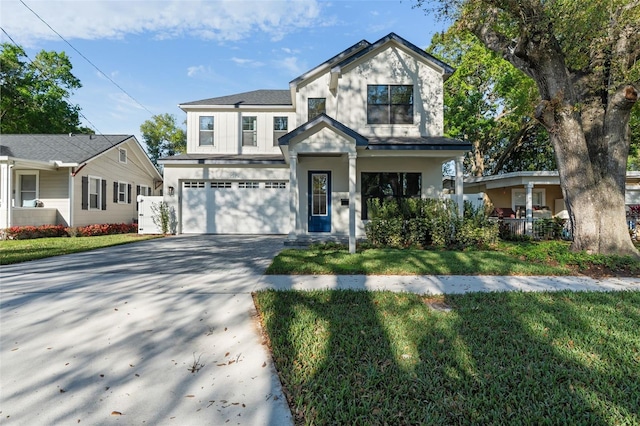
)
(389, 186)
(389, 104)
(316, 106)
(249, 131)
(206, 131)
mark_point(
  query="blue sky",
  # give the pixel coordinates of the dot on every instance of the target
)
(163, 53)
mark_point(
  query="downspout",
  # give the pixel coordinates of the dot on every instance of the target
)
(71, 194)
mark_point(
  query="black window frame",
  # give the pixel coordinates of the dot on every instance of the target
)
(315, 110)
(387, 104)
(381, 186)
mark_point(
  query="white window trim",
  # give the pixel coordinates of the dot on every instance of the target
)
(212, 131)
(100, 194)
(514, 191)
(144, 190)
(19, 174)
(126, 155)
(125, 193)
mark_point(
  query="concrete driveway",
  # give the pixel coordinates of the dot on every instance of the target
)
(156, 332)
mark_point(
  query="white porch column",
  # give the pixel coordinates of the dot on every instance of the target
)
(459, 184)
(352, 202)
(529, 208)
(5, 195)
(293, 195)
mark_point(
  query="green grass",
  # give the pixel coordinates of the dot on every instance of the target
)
(348, 357)
(15, 251)
(533, 258)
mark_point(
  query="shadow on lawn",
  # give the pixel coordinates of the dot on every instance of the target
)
(376, 358)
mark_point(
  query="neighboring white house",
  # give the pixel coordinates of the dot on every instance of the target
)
(73, 180)
(367, 123)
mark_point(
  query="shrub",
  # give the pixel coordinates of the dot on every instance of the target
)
(106, 229)
(30, 232)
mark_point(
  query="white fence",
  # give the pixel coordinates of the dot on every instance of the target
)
(145, 214)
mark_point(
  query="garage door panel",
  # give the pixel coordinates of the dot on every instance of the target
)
(246, 207)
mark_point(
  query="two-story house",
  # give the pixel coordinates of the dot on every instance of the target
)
(365, 124)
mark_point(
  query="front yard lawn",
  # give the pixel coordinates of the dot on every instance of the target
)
(508, 258)
(348, 357)
(15, 251)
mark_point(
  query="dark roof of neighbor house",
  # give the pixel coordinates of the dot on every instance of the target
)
(226, 158)
(423, 143)
(69, 148)
(255, 97)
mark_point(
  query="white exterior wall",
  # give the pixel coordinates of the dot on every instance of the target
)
(227, 133)
(392, 65)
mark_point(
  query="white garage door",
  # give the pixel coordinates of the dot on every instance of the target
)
(235, 207)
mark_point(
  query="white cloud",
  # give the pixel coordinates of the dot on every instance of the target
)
(194, 71)
(250, 63)
(218, 20)
(291, 65)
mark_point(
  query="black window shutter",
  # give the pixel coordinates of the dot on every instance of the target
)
(138, 190)
(115, 192)
(104, 194)
(85, 193)
(129, 193)
(149, 191)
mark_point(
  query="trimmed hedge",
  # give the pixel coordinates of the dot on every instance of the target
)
(417, 222)
(48, 231)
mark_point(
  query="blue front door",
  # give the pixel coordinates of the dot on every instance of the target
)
(319, 202)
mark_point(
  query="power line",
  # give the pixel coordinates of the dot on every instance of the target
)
(87, 59)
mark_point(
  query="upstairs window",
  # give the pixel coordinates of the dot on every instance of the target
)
(249, 131)
(389, 104)
(316, 106)
(206, 131)
(280, 128)
(122, 155)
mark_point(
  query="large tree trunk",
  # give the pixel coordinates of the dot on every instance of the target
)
(587, 120)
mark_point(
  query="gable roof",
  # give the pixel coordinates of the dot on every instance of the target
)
(69, 148)
(448, 70)
(255, 97)
(331, 122)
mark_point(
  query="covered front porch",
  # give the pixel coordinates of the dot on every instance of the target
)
(333, 171)
(33, 193)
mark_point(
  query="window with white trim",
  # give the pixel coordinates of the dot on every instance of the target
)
(206, 131)
(519, 198)
(280, 128)
(122, 155)
(249, 131)
(95, 193)
(122, 192)
(28, 188)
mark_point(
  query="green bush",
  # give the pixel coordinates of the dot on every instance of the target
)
(419, 222)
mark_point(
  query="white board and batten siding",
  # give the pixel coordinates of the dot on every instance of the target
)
(235, 207)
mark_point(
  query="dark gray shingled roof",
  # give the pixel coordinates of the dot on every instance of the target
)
(256, 97)
(421, 143)
(226, 158)
(64, 148)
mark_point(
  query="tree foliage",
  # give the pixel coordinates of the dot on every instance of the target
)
(585, 60)
(163, 137)
(35, 94)
(490, 103)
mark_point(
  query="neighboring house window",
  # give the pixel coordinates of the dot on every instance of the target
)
(94, 193)
(121, 193)
(316, 106)
(249, 131)
(519, 200)
(141, 190)
(389, 186)
(28, 187)
(389, 104)
(206, 131)
(280, 128)
(123, 155)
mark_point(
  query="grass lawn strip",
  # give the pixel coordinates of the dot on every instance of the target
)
(16, 251)
(537, 258)
(349, 357)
